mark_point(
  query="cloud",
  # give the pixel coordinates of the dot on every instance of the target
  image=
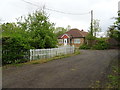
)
(104, 10)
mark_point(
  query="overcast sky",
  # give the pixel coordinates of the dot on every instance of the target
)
(104, 10)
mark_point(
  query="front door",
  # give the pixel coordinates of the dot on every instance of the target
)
(65, 41)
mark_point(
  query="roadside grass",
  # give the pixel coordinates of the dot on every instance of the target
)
(112, 80)
(114, 76)
(40, 61)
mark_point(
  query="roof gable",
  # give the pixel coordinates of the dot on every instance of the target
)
(65, 36)
(75, 33)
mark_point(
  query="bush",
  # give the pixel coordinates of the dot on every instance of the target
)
(98, 44)
(14, 51)
(101, 44)
(90, 37)
(84, 46)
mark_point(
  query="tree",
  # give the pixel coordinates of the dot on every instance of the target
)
(0, 30)
(15, 44)
(11, 29)
(68, 27)
(114, 30)
(33, 31)
(60, 31)
(91, 37)
(117, 23)
(39, 27)
(96, 27)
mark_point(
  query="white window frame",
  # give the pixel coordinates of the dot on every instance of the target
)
(60, 41)
(77, 41)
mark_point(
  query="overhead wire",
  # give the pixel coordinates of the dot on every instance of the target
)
(56, 10)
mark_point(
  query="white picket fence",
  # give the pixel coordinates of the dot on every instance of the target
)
(36, 54)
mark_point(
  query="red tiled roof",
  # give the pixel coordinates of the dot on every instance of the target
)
(74, 33)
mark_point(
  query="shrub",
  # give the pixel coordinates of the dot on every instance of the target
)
(84, 46)
(14, 51)
(101, 44)
(90, 37)
(98, 44)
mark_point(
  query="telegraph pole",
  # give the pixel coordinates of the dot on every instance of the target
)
(119, 9)
(119, 15)
(91, 23)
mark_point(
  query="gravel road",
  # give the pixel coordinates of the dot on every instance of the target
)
(73, 72)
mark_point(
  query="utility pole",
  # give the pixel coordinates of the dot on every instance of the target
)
(91, 23)
(119, 15)
(119, 6)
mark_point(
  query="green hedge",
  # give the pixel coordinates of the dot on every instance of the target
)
(13, 51)
(100, 44)
(84, 46)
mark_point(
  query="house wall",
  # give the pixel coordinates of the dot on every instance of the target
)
(82, 40)
(60, 42)
(78, 44)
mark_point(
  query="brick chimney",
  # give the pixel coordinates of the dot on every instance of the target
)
(82, 30)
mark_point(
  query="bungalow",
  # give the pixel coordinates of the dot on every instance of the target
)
(74, 37)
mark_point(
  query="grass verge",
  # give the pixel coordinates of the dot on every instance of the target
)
(112, 78)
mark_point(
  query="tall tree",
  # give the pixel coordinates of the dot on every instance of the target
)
(96, 27)
(33, 31)
(39, 27)
(68, 27)
(60, 31)
(114, 30)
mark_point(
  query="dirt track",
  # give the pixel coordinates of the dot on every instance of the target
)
(72, 72)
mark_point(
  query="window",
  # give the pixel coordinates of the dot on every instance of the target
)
(77, 41)
(60, 40)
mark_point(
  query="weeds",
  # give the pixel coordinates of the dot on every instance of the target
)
(113, 79)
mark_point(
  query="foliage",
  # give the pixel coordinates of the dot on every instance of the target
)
(44, 60)
(114, 77)
(101, 44)
(14, 44)
(117, 22)
(95, 43)
(13, 50)
(33, 31)
(60, 31)
(50, 42)
(113, 33)
(90, 37)
(40, 29)
(84, 46)
(96, 27)
(114, 30)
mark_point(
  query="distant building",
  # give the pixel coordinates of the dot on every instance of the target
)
(73, 37)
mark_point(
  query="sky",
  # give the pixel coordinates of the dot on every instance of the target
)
(103, 10)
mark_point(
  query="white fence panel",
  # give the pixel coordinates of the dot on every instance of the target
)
(48, 53)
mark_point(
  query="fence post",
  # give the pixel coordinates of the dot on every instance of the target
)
(30, 54)
(73, 49)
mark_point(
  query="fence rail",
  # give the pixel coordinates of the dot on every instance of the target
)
(48, 53)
